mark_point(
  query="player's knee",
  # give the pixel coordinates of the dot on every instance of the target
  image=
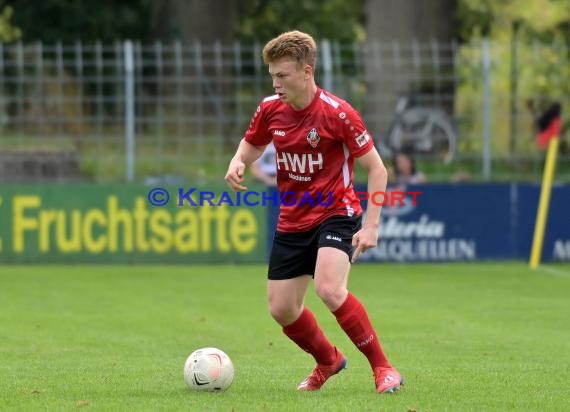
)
(283, 314)
(330, 293)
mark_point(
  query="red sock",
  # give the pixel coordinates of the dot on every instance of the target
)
(307, 334)
(353, 319)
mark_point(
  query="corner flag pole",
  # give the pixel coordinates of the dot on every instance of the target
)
(544, 202)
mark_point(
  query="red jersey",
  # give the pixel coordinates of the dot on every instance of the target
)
(316, 148)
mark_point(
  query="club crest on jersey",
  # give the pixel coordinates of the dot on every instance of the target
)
(313, 138)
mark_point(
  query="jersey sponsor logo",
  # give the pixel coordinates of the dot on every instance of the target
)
(301, 163)
(300, 178)
(313, 138)
(362, 139)
(279, 132)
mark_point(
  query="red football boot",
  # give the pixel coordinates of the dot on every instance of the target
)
(322, 373)
(387, 380)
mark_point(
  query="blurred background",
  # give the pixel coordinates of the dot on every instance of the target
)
(107, 106)
(100, 101)
(162, 90)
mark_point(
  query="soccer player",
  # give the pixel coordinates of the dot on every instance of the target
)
(317, 137)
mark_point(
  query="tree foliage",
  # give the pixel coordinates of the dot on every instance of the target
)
(8, 32)
(530, 62)
(343, 20)
(86, 20)
(543, 19)
(108, 20)
(340, 20)
(538, 29)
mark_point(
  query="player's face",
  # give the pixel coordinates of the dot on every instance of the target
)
(290, 81)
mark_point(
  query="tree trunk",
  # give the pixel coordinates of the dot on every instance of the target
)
(408, 50)
(206, 31)
(190, 20)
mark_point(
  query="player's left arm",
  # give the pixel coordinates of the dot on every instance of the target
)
(367, 237)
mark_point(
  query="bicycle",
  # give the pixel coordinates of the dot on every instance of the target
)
(424, 130)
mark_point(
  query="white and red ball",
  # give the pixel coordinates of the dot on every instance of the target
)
(208, 369)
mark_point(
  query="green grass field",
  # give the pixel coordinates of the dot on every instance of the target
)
(481, 337)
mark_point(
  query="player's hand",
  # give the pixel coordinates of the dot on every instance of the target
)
(366, 238)
(235, 175)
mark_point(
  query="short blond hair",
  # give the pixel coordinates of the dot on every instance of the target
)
(294, 45)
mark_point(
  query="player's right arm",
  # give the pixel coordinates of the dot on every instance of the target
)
(245, 155)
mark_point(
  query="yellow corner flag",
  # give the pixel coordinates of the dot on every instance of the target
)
(544, 202)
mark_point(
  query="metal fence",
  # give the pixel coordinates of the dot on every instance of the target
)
(134, 112)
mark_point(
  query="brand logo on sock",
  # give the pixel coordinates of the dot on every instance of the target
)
(365, 341)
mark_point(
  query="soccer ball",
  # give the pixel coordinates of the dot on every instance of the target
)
(208, 369)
